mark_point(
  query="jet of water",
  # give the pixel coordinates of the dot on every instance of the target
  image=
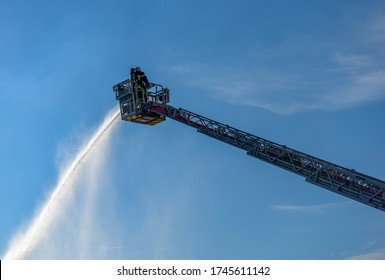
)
(28, 240)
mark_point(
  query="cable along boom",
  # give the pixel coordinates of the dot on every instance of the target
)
(347, 182)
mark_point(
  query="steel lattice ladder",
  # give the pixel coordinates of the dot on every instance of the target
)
(335, 178)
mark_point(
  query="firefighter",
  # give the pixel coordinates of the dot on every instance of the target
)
(142, 83)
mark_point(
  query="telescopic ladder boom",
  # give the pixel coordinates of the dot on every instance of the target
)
(335, 178)
(338, 179)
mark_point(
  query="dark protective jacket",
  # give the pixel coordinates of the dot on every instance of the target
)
(142, 80)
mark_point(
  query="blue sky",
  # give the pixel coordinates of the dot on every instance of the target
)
(307, 74)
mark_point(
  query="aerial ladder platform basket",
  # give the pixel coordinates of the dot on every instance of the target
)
(135, 103)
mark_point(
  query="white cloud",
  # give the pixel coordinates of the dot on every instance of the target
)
(349, 61)
(320, 208)
(353, 76)
(375, 255)
(356, 80)
(375, 29)
(363, 88)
